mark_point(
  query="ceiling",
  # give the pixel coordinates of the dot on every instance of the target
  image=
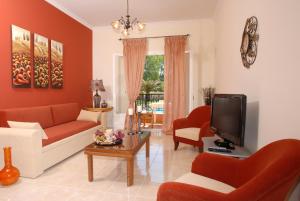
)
(103, 12)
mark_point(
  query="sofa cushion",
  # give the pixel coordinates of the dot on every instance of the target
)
(65, 130)
(28, 125)
(205, 182)
(41, 114)
(85, 115)
(63, 113)
(188, 133)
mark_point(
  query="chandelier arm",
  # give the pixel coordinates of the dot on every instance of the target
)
(122, 21)
(134, 21)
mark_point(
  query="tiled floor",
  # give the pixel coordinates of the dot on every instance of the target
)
(68, 181)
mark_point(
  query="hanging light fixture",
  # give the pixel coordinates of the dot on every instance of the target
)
(124, 24)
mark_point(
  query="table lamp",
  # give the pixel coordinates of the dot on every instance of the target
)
(97, 85)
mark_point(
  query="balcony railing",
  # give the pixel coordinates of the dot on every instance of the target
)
(151, 101)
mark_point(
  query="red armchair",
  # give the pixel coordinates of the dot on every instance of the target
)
(189, 130)
(268, 175)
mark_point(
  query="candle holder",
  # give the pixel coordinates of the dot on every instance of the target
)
(139, 123)
(130, 125)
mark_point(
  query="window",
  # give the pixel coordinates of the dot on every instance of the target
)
(153, 82)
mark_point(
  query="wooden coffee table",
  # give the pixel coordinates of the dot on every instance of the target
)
(130, 146)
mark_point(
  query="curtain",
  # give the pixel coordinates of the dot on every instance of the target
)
(174, 81)
(134, 52)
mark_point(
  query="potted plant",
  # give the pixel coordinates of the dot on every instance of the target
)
(150, 86)
(208, 93)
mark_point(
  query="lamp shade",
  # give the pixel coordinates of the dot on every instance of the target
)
(97, 85)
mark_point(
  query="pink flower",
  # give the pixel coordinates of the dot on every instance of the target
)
(99, 133)
(119, 134)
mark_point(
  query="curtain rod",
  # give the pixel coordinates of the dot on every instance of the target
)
(154, 37)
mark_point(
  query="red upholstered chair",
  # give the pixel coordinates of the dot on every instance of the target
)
(189, 130)
(268, 175)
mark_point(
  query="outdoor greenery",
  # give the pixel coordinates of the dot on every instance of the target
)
(153, 79)
(151, 86)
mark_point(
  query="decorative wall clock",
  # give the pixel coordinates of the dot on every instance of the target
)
(249, 42)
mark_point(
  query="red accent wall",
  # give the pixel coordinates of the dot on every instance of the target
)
(40, 17)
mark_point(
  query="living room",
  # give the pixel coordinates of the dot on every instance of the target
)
(91, 49)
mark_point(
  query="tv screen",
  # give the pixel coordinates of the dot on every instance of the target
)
(228, 117)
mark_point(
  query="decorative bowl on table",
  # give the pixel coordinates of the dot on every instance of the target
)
(108, 137)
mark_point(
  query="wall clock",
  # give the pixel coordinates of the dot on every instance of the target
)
(249, 42)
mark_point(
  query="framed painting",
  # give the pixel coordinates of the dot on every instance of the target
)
(41, 62)
(21, 58)
(57, 80)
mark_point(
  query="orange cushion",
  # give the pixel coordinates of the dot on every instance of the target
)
(64, 113)
(41, 114)
(62, 131)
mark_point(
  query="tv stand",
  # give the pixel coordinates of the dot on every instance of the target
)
(224, 143)
(238, 152)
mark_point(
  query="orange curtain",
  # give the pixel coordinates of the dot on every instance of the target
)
(134, 52)
(175, 81)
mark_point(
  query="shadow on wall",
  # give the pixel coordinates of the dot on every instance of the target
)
(251, 131)
(295, 196)
(107, 96)
(251, 138)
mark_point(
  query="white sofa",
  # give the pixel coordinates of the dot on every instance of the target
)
(32, 155)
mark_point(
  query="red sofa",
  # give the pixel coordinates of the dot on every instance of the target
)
(66, 135)
(198, 118)
(268, 175)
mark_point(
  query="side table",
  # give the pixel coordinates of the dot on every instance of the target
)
(238, 152)
(103, 113)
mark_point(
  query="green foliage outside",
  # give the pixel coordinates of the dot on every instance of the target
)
(151, 86)
(153, 79)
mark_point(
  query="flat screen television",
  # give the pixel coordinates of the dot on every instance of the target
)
(228, 119)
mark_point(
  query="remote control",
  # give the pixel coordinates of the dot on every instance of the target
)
(219, 149)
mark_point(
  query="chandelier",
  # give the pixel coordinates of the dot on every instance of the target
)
(124, 24)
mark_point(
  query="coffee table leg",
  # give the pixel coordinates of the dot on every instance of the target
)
(147, 147)
(90, 167)
(130, 168)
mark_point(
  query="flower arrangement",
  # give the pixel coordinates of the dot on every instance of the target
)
(108, 137)
(208, 94)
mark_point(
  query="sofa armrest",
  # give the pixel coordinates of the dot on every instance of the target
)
(180, 123)
(26, 150)
(175, 191)
(205, 130)
(221, 168)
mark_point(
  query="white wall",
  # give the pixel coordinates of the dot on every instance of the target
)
(272, 84)
(201, 46)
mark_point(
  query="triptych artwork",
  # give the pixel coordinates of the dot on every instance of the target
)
(46, 70)
(41, 63)
(56, 64)
(21, 58)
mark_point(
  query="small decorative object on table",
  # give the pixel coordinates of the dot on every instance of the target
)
(108, 137)
(139, 111)
(130, 113)
(9, 174)
(104, 104)
(97, 85)
(208, 94)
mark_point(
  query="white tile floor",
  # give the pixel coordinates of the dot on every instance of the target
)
(68, 181)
